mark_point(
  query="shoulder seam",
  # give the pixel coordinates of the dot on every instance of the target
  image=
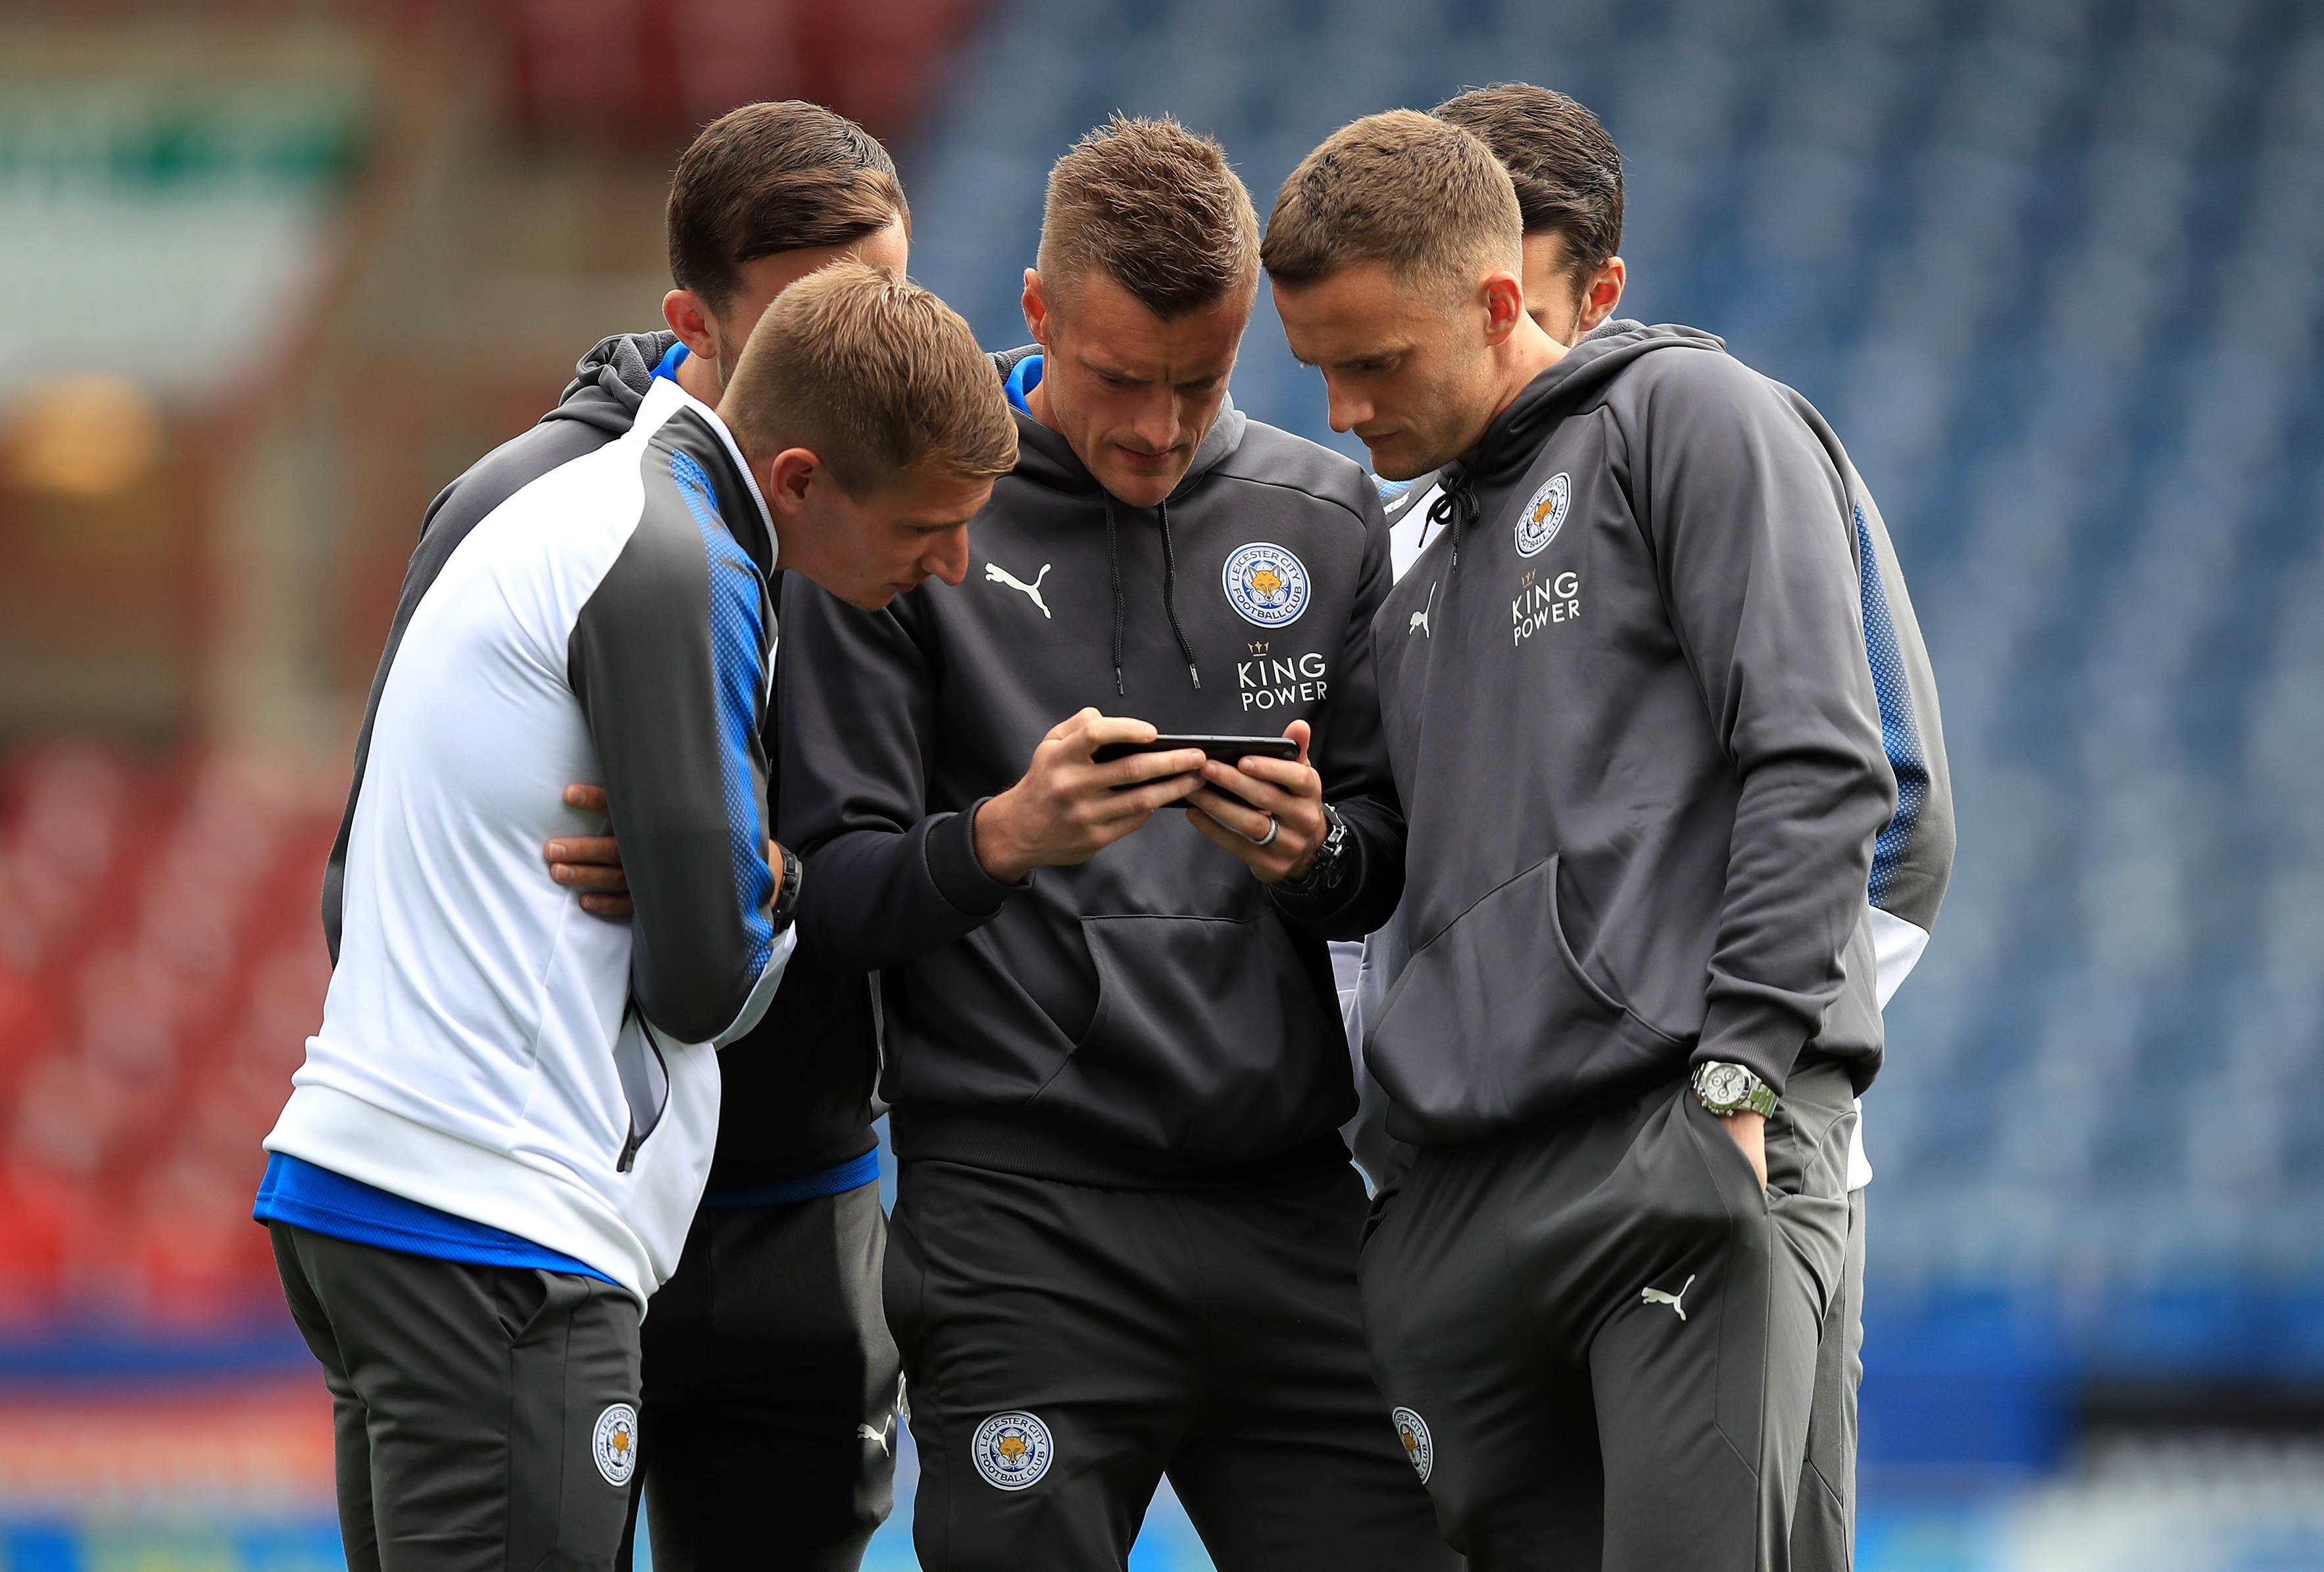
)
(1355, 513)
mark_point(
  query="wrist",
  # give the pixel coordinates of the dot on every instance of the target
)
(1323, 865)
(1726, 1087)
(996, 849)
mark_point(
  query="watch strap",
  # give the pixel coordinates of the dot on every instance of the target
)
(1759, 1100)
(1324, 873)
(785, 910)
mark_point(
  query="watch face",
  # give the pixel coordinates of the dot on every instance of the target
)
(1726, 1085)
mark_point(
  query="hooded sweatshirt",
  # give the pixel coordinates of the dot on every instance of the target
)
(1155, 1016)
(787, 1111)
(1631, 718)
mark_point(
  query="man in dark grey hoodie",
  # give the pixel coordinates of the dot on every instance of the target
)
(1125, 1235)
(1631, 719)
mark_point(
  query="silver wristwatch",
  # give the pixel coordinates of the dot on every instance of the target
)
(1731, 1088)
(1325, 874)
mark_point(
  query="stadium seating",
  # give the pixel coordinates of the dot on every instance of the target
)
(159, 969)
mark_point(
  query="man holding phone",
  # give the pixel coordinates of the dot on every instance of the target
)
(1125, 1238)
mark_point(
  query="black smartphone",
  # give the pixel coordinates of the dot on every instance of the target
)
(1225, 749)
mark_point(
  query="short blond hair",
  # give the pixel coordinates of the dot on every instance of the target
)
(1419, 195)
(876, 377)
(1157, 208)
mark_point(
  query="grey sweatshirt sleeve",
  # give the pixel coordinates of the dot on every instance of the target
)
(669, 658)
(887, 881)
(1751, 524)
(1350, 751)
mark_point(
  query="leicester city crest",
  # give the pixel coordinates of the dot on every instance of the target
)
(615, 1443)
(1266, 583)
(1413, 1431)
(1011, 1450)
(1544, 515)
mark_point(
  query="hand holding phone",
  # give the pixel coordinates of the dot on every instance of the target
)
(1264, 807)
(1093, 779)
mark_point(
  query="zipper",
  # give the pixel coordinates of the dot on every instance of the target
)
(637, 1138)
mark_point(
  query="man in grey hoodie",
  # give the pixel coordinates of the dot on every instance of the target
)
(1125, 1232)
(1568, 176)
(1638, 743)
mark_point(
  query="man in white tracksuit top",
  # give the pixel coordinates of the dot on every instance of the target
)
(496, 1147)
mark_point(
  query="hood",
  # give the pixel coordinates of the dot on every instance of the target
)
(1603, 354)
(612, 380)
(1045, 458)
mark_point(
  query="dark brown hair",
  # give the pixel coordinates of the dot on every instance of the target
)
(873, 375)
(1567, 171)
(1417, 194)
(774, 177)
(1154, 207)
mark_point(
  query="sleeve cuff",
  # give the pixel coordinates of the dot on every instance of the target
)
(1767, 1044)
(762, 992)
(953, 867)
(1327, 903)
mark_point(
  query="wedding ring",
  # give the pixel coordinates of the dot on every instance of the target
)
(1274, 827)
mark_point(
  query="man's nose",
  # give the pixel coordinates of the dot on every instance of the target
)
(1156, 424)
(947, 558)
(1347, 410)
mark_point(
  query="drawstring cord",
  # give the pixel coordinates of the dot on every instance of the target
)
(1170, 598)
(1455, 506)
(1114, 569)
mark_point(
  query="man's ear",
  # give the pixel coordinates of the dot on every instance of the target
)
(688, 318)
(1036, 310)
(788, 477)
(1502, 295)
(1603, 293)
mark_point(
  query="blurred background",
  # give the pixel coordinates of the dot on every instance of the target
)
(271, 273)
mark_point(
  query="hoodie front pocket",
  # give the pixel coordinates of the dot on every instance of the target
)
(1495, 1022)
(1208, 1038)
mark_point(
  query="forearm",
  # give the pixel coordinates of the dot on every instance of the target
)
(1796, 868)
(877, 899)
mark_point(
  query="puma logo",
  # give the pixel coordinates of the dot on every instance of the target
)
(1656, 1296)
(1419, 623)
(866, 1433)
(994, 573)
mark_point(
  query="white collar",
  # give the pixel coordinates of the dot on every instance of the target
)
(665, 399)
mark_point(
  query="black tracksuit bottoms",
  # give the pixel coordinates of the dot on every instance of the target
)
(770, 1385)
(1066, 1347)
(484, 1416)
(1602, 1337)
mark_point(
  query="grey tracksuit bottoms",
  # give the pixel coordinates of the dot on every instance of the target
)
(770, 1385)
(1600, 1336)
(484, 1416)
(1069, 1346)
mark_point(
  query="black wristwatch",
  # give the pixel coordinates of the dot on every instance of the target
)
(1324, 872)
(786, 898)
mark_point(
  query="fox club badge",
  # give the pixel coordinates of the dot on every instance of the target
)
(614, 1444)
(1544, 515)
(1265, 584)
(1011, 1450)
(1413, 1431)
